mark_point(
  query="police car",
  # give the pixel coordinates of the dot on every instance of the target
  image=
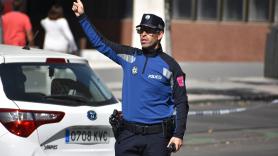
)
(52, 104)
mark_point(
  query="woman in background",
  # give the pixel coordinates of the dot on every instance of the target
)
(58, 36)
(1, 27)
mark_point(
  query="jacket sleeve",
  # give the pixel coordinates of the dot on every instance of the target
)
(180, 101)
(106, 47)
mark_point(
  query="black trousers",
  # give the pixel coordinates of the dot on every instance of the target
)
(130, 144)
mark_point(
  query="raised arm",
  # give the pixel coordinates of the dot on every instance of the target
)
(116, 52)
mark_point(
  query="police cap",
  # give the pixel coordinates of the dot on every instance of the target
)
(152, 21)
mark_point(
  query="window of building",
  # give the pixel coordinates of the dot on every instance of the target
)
(233, 10)
(259, 10)
(207, 9)
(276, 11)
(183, 9)
(226, 10)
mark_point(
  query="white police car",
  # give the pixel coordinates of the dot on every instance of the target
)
(52, 104)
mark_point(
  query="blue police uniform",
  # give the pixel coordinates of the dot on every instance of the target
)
(153, 89)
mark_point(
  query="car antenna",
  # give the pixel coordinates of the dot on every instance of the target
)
(27, 45)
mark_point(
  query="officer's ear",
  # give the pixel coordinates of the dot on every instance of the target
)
(160, 35)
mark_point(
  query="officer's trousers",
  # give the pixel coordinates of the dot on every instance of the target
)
(130, 144)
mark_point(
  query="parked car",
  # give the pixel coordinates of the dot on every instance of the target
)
(52, 104)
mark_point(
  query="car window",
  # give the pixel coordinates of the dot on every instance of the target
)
(66, 84)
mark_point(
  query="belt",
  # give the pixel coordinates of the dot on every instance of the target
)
(143, 128)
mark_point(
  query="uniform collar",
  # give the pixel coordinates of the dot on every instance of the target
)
(152, 52)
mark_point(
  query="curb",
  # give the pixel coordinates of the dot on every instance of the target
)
(228, 111)
(216, 112)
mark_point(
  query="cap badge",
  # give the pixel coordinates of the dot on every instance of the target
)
(147, 17)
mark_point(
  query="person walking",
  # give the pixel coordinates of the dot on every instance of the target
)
(1, 27)
(17, 28)
(58, 36)
(153, 89)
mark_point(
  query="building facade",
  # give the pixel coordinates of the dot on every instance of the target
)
(208, 30)
(200, 30)
(221, 30)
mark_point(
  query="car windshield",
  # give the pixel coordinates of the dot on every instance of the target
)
(64, 84)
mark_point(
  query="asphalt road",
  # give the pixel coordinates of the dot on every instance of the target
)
(251, 132)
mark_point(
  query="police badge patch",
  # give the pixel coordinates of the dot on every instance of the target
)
(180, 81)
(134, 70)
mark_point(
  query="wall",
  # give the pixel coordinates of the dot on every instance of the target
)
(222, 41)
(119, 31)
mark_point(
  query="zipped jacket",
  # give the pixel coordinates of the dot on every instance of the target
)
(153, 83)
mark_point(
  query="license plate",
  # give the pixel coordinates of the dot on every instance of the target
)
(87, 135)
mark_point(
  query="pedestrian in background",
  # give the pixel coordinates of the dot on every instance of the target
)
(17, 28)
(153, 88)
(58, 36)
(1, 27)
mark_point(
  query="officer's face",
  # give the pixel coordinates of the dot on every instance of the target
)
(149, 37)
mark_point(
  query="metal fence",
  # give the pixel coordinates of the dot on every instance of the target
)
(271, 54)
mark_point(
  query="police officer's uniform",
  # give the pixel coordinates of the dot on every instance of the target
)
(153, 88)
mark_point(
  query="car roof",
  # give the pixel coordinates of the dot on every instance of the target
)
(16, 54)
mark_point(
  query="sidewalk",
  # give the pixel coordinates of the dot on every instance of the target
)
(246, 88)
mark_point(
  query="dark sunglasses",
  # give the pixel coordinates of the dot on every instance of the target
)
(148, 30)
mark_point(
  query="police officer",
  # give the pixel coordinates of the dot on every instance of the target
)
(153, 89)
